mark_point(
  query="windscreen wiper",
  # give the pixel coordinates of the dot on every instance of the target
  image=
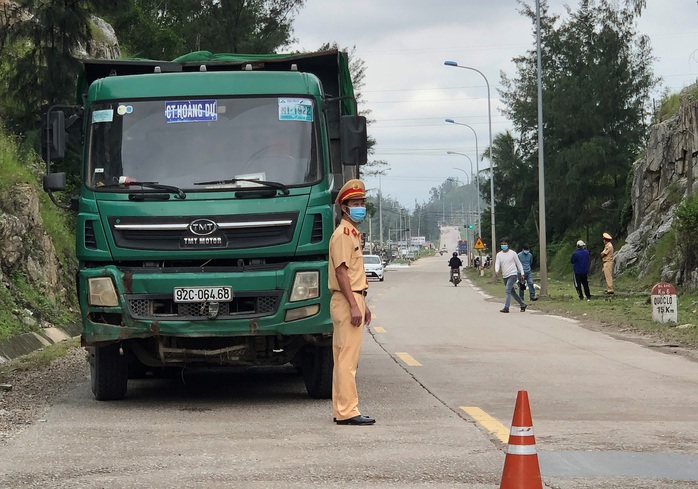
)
(154, 185)
(265, 183)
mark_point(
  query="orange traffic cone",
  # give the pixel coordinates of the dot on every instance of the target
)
(521, 470)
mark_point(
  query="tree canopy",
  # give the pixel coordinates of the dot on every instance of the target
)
(597, 78)
(164, 30)
(40, 39)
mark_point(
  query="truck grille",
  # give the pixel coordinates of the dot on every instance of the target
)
(316, 235)
(90, 240)
(229, 232)
(242, 305)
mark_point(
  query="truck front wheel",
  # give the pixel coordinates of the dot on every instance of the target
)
(108, 372)
(317, 372)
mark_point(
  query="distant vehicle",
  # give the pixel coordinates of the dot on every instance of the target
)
(462, 247)
(409, 255)
(373, 266)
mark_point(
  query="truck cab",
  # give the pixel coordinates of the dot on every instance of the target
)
(205, 210)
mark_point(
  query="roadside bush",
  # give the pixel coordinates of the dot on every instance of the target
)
(686, 227)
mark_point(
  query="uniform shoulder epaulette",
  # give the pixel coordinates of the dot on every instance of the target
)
(346, 230)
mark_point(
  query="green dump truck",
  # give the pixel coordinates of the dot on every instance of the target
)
(205, 210)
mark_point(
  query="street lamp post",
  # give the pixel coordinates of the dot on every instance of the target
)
(468, 228)
(489, 120)
(477, 174)
(541, 167)
(468, 175)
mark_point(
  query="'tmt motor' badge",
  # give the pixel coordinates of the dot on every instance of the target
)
(201, 234)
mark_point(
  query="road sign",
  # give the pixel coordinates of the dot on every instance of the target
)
(664, 303)
(479, 245)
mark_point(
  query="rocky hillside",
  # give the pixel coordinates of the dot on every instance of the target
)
(37, 263)
(660, 182)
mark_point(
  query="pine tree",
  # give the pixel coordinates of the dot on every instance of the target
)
(597, 77)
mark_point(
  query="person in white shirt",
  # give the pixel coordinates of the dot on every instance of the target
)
(508, 263)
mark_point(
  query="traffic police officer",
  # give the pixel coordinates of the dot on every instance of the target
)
(607, 260)
(348, 308)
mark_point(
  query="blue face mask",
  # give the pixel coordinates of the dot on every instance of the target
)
(357, 214)
(525, 252)
(505, 247)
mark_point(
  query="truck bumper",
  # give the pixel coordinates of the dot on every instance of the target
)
(146, 306)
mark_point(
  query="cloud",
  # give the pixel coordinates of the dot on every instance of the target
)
(410, 92)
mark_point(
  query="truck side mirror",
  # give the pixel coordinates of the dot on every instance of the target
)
(354, 144)
(54, 182)
(53, 136)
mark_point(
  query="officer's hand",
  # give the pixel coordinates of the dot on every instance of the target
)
(367, 317)
(355, 315)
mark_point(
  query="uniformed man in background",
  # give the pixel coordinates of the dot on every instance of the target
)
(607, 260)
(348, 308)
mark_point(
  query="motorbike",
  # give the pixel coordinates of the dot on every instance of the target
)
(455, 276)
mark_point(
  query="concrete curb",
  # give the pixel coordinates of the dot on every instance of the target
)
(26, 343)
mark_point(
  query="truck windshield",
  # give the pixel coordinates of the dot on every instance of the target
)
(182, 142)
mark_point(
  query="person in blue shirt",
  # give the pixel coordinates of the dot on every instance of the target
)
(580, 265)
(526, 259)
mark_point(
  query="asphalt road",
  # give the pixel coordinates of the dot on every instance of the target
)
(440, 371)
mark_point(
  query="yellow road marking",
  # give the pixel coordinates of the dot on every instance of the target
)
(407, 358)
(378, 329)
(491, 424)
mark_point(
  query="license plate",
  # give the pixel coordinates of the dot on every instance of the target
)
(203, 294)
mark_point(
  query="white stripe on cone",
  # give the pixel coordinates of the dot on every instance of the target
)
(521, 450)
(521, 431)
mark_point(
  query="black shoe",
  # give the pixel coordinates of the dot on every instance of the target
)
(357, 420)
(523, 308)
(534, 298)
(504, 310)
(581, 298)
(609, 292)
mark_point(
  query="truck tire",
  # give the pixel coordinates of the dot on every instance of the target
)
(317, 372)
(108, 373)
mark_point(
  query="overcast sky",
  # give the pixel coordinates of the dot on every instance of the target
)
(410, 92)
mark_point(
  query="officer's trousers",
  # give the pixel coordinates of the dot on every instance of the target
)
(608, 274)
(346, 347)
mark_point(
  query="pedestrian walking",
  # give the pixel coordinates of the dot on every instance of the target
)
(526, 259)
(507, 262)
(348, 308)
(607, 259)
(580, 266)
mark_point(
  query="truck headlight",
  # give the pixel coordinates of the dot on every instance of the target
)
(102, 292)
(306, 285)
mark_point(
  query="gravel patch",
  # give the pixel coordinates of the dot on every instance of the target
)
(34, 391)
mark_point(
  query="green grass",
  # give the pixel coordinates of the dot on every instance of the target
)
(39, 359)
(627, 311)
(10, 322)
(12, 172)
(23, 167)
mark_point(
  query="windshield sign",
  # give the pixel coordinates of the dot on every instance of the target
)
(185, 142)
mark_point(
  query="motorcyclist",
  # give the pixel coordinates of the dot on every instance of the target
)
(455, 263)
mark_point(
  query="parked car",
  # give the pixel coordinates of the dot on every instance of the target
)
(373, 266)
